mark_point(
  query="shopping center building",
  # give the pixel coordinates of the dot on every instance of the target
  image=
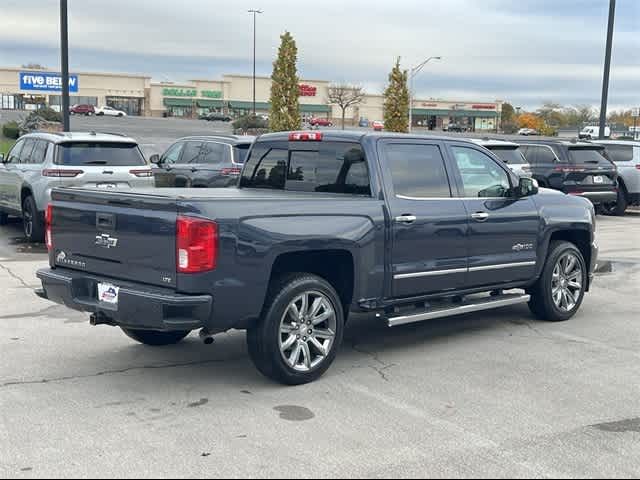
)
(23, 89)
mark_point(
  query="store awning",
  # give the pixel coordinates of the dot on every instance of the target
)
(178, 102)
(315, 108)
(210, 103)
(455, 113)
(249, 105)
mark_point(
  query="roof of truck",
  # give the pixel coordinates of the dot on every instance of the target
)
(81, 137)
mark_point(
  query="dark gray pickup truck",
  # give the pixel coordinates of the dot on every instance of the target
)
(322, 224)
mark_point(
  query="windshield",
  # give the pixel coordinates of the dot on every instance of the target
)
(100, 153)
(509, 155)
(241, 151)
(589, 156)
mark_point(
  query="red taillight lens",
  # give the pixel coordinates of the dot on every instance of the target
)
(142, 173)
(638, 166)
(305, 136)
(48, 220)
(61, 173)
(231, 171)
(196, 245)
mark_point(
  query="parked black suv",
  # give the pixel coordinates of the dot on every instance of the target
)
(575, 168)
(202, 162)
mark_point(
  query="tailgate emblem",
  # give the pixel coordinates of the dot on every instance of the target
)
(106, 241)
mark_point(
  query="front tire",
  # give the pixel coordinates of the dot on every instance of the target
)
(559, 292)
(300, 331)
(155, 339)
(33, 224)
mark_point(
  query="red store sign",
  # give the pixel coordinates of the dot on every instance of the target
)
(484, 106)
(307, 90)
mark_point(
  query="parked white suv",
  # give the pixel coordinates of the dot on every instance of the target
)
(40, 161)
(626, 156)
(110, 112)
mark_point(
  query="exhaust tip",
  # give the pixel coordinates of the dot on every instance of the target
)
(206, 337)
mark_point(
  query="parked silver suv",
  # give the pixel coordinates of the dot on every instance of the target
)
(626, 156)
(40, 161)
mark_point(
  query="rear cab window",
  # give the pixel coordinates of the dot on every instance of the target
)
(110, 154)
(324, 166)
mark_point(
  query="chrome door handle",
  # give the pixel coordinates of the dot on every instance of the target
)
(406, 219)
(480, 216)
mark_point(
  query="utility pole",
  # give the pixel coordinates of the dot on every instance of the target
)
(607, 69)
(414, 71)
(255, 13)
(64, 54)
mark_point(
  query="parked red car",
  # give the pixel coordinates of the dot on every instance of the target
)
(82, 110)
(320, 122)
(378, 126)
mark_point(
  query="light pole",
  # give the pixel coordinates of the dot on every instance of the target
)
(607, 69)
(414, 71)
(64, 57)
(255, 14)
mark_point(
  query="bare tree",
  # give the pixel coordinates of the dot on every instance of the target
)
(345, 96)
(34, 66)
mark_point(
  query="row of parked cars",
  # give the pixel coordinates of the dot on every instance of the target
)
(607, 172)
(90, 110)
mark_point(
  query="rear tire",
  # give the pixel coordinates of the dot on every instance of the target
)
(155, 339)
(559, 292)
(300, 331)
(4, 218)
(33, 224)
(619, 208)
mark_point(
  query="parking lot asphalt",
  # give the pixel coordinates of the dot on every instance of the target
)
(495, 394)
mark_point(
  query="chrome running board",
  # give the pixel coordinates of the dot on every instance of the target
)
(471, 305)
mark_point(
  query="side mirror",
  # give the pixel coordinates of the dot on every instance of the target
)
(155, 159)
(527, 187)
(2, 158)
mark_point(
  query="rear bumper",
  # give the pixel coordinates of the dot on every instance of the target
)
(140, 306)
(598, 198)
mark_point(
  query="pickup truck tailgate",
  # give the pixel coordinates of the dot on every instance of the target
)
(120, 235)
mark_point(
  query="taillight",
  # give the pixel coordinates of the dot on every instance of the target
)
(305, 136)
(196, 245)
(48, 221)
(638, 166)
(142, 173)
(61, 173)
(231, 171)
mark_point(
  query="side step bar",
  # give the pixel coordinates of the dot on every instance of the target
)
(472, 305)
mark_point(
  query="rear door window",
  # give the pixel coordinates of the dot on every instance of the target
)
(25, 154)
(620, 153)
(100, 154)
(417, 171)
(205, 153)
(39, 152)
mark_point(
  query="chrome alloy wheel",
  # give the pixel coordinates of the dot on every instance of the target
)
(307, 331)
(566, 283)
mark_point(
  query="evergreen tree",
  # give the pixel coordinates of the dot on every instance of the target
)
(285, 113)
(396, 101)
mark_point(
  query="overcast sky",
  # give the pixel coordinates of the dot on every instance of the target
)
(523, 51)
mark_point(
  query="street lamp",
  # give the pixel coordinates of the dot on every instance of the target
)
(414, 71)
(607, 69)
(64, 60)
(255, 13)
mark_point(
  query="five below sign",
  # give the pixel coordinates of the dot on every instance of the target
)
(46, 82)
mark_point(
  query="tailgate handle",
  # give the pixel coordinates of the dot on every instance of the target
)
(105, 221)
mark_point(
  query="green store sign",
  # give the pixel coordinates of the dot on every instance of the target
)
(211, 93)
(179, 92)
(190, 92)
